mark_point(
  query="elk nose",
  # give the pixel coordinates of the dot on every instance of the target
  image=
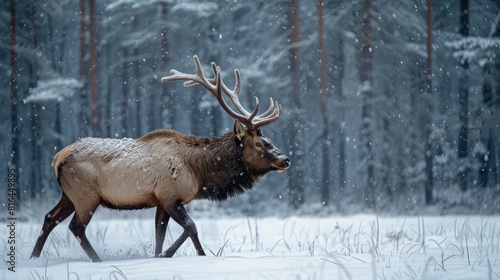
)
(286, 162)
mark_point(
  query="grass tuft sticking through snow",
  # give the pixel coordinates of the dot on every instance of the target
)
(36, 276)
(113, 275)
(220, 251)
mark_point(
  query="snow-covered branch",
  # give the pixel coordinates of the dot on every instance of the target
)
(55, 89)
(479, 50)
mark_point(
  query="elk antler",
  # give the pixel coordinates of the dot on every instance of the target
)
(216, 87)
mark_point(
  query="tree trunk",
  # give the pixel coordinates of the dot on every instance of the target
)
(137, 93)
(429, 154)
(326, 158)
(58, 126)
(36, 177)
(136, 78)
(125, 94)
(339, 117)
(494, 151)
(296, 179)
(463, 142)
(14, 163)
(487, 161)
(93, 70)
(214, 114)
(366, 110)
(386, 172)
(486, 130)
(168, 108)
(36, 174)
(109, 95)
(84, 128)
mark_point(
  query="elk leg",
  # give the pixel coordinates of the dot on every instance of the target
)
(59, 213)
(77, 227)
(180, 216)
(161, 222)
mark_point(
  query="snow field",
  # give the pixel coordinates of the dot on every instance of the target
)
(354, 247)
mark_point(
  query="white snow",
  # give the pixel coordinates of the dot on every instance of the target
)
(54, 89)
(352, 247)
(476, 49)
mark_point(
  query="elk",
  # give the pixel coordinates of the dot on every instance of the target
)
(164, 169)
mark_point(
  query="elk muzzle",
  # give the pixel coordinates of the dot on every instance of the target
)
(281, 164)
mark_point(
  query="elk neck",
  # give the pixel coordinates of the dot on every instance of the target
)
(221, 170)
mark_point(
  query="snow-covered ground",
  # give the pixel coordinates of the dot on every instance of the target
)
(353, 247)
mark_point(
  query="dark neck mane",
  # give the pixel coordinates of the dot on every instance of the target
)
(221, 170)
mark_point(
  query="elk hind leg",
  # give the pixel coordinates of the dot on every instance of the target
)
(78, 225)
(180, 216)
(59, 213)
(161, 222)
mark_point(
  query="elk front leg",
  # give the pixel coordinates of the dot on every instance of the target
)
(161, 222)
(180, 216)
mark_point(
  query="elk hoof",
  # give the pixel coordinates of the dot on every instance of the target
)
(166, 254)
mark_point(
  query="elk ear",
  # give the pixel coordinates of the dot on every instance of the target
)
(239, 130)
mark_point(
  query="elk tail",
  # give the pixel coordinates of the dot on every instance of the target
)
(59, 160)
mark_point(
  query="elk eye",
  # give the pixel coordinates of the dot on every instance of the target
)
(258, 144)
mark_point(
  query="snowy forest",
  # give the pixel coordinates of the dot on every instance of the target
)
(388, 106)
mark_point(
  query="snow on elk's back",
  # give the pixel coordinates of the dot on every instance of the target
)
(125, 148)
(130, 173)
(119, 153)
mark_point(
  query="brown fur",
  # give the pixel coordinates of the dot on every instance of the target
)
(60, 158)
(163, 169)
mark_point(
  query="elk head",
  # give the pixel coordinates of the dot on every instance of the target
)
(258, 151)
(259, 154)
